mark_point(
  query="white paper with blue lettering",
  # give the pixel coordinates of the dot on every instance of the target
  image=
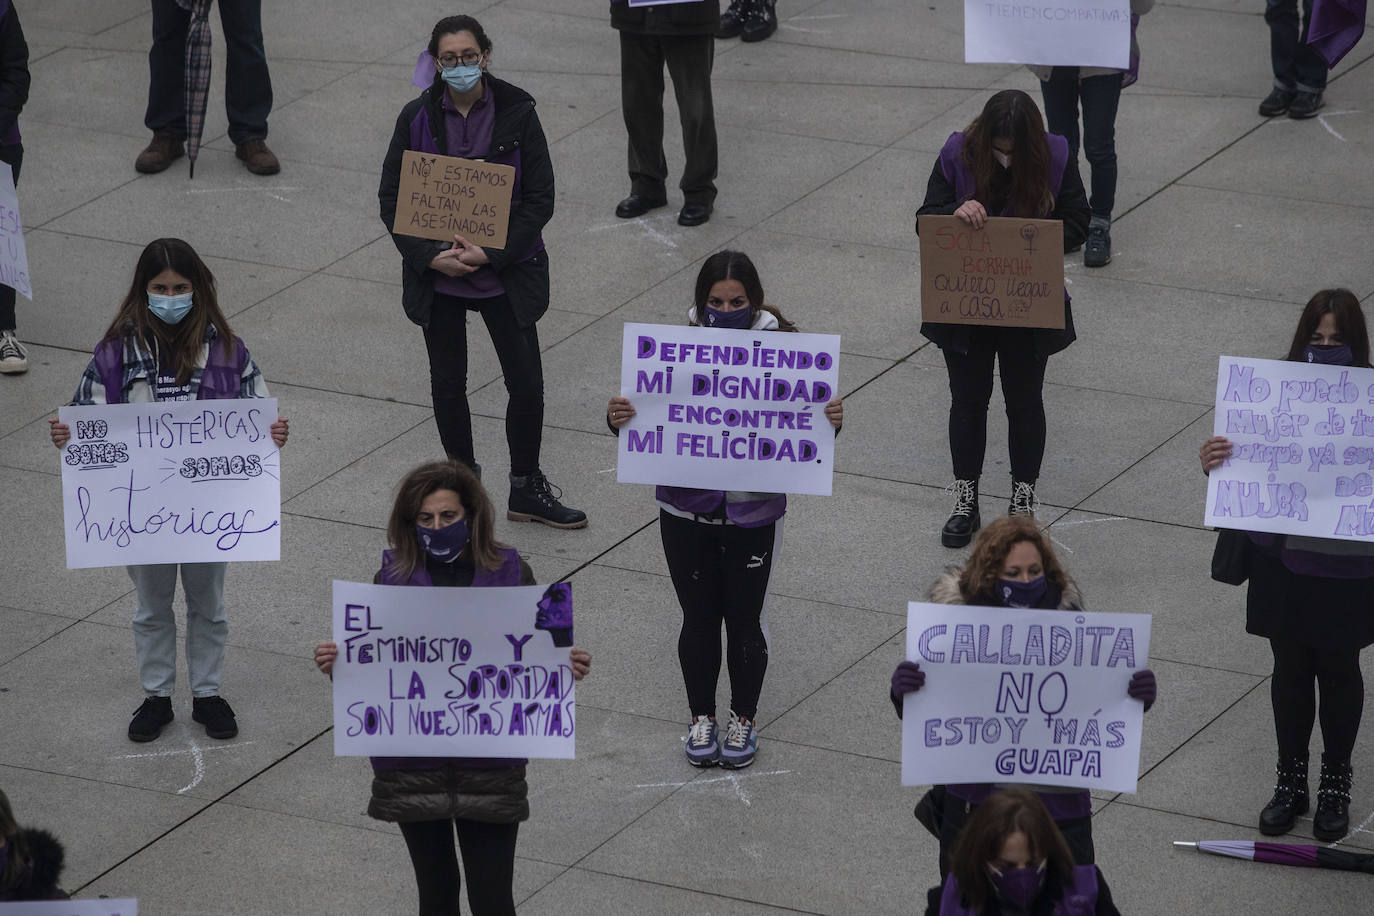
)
(1057, 33)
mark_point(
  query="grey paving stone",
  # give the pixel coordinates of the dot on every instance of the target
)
(617, 896)
(27, 400)
(1165, 485)
(23, 630)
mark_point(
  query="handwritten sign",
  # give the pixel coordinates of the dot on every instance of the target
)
(14, 258)
(722, 409)
(71, 908)
(1010, 273)
(1303, 449)
(444, 196)
(1016, 695)
(453, 672)
(1060, 33)
(171, 482)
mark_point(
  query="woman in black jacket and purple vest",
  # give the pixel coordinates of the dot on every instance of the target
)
(440, 533)
(469, 113)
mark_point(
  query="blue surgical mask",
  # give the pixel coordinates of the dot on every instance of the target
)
(170, 309)
(444, 544)
(462, 79)
(1329, 355)
(1015, 593)
(719, 318)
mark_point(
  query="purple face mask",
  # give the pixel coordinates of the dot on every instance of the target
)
(443, 544)
(1331, 355)
(1018, 886)
(1015, 593)
(719, 318)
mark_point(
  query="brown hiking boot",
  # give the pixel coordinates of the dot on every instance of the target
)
(257, 157)
(159, 153)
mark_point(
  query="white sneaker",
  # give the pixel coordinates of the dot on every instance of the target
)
(14, 359)
(741, 743)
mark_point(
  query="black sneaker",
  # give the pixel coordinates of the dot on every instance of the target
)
(1098, 251)
(150, 717)
(760, 21)
(1276, 102)
(1305, 105)
(534, 499)
(732, 20)
(216, 715)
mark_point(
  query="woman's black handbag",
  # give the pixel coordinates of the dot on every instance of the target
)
(1231, 558)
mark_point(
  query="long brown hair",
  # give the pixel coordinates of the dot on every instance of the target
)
(180, 342)
(482, 547)
(1004, 813)
(735, 265)
(18, 853)
(1011, 115)
(1345, 306)
(984, 567)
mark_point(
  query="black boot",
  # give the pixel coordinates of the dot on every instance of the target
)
(760, 21)
(732, 20)
(1022, 498)
(1290, 797)
(531, 500)
(1332, 820)
(964, 520)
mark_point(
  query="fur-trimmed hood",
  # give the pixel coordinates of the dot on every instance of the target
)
(46, 860)
(946, 591)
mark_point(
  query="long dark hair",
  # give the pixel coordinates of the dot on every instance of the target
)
(180, 342)
(1011, 115)
(735, 265)
(482, 547)
(17, 866)
(1004, 813)
(1345, 306)
(450, 24)
(989, 558)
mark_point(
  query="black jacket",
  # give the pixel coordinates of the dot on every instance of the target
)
(516, 130)
(14, 71)
(670, 19)
(46, 859)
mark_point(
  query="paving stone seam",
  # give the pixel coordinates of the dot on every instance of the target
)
(778, 907)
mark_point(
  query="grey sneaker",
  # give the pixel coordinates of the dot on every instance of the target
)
(741, 743)
(1098, 251)
(703, 746)
(14, 359)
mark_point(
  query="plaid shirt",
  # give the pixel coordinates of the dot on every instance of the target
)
(139, 375)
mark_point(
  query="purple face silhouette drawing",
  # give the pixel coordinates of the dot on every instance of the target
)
(555, 614)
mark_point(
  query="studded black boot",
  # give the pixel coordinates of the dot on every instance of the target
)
(1332, 818)
(964, 520)
(1290, 797)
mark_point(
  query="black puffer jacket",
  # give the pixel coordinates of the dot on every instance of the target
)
(46, 857)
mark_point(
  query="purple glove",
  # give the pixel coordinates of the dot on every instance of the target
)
(907, 678)
(1142, 687)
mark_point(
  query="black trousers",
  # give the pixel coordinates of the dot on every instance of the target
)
(1298, 672)
(689, 59)
(970, 388)
(721, 574)
(517, 348)
(14, 155)
(488, 858)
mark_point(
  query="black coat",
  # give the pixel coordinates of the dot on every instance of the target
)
(670, 19)
(14, 71)
(46, 859)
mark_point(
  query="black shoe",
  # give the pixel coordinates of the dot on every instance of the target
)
(150, 717)
(1332, 818)
(693, 214)
(732, 20)
(214, 713)
(1290, 798)
(1276, 102)
(964, 520)
(1022, 498)
(1098, 252)
(638, 205)
(1305, 105)
(532, 500)
(760, 21)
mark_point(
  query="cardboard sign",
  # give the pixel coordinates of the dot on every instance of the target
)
(1024, 696)
(1058, 33)
(171, 482)
(453, 672)
(1009, 274)
(14, 258)
(1302, 460)
(71, 908)
(444, 196)
(722, 409)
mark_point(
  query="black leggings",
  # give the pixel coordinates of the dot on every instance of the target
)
(488, 859)
(1297, 672)
(517, 348)
(970, 388)
(721, 574)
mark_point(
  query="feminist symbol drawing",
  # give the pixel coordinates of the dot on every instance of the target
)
(1028, 232)
(426, 166)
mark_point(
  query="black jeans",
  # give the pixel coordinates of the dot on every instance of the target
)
(689, 58)
(1298, 672)
(1297, 65)
(14, 155)
(517, 348)
(1063, 92)
(247, 85)
(721, 574)
(970, 388)
(488, 858)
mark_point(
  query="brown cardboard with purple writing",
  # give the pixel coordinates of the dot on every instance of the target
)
(444, 196)
(1008, 274)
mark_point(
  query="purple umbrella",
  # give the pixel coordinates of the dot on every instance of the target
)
(1335, 27)
(1302, 856)
(197, 79)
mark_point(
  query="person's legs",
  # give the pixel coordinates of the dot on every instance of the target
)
(747, 565)
(1100, 97)
(693, 552)
(517, 349)
(1060, 93)
(1023, 380)
(247, 84)
(1282, 18)
(14, 358)
(970, 389)
(446, 340)
(166, 112)
(641, 102)
(207, 625)
(1342, 700)
(1293, 693)
(489, 861)
(435, 859)
(689, 61)
(155, 627)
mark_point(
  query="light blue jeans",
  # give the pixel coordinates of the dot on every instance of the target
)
(155, 626)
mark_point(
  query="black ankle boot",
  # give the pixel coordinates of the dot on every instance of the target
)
(1332, 819)
(1290, 797)
(964, 520)
(534, 499)
(1022, 498)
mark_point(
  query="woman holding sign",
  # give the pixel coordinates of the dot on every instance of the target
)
(1310, 597)
(169, 341)
(469, 113)
(440, 533)
(1012, 565)
(721, 545)
(1003, 164)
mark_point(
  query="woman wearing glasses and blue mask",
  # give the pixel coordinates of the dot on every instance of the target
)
(467, 112)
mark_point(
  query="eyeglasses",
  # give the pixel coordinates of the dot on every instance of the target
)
(449, 61)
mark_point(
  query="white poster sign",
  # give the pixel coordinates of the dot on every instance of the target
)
(1060, 33)
(171, 482)
(1027, 696)
(453, 672)
(722, 409)
(14, 258)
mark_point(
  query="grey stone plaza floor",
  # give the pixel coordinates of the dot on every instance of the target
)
(1225, 224)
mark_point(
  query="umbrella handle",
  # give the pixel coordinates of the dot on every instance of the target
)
(1182, 843)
